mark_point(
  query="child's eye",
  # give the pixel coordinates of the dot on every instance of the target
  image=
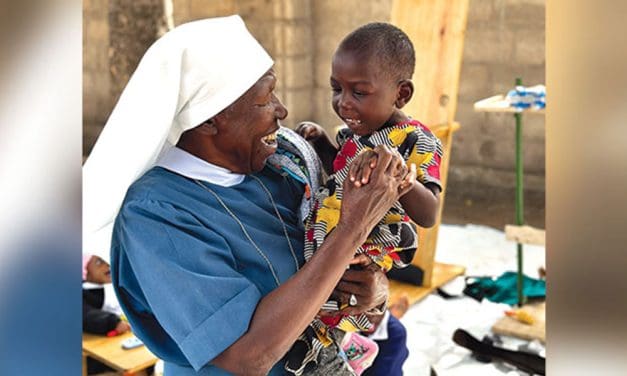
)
(359, 93)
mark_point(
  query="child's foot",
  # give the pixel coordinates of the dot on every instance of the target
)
(360, 351)
(399, 307)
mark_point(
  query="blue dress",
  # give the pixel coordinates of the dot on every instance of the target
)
(187, 278)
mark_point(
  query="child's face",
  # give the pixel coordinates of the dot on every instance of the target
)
(363, 97)
(98, 271)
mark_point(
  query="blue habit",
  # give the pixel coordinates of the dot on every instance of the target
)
(187, 278)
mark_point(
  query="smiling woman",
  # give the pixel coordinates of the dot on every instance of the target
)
(207, 245)
(241, 137)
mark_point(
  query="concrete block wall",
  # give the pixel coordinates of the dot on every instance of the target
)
(97, 101)
(116, 35)
(284, 28)
(333, 20)
(504, 40)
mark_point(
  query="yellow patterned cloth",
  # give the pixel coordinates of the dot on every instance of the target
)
(392, 243)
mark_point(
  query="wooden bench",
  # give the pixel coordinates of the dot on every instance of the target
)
(525, 234)
(109, 351)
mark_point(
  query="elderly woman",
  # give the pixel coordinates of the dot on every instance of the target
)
(206, 250)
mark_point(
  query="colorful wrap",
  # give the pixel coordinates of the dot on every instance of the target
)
(295, 157)
(392, 243)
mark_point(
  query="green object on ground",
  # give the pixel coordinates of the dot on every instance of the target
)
(504, 288)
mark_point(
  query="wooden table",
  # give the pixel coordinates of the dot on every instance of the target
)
(109, 351)
(499, 103)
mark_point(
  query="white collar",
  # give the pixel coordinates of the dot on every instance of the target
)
(183, 163)
(91, 285)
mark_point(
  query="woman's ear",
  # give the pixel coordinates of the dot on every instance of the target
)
(404, 93)
(208, 128)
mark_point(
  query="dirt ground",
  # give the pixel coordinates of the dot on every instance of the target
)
(492, 207)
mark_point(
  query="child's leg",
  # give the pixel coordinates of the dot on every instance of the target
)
(360, 351)
(399, 306)
(392, 352)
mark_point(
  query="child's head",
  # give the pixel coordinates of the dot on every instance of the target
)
(96, 270)
(371, 76)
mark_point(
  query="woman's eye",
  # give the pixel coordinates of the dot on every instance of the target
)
(336, 89)
(264, 104)
(359, 93)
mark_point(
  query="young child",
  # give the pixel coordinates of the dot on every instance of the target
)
(96, 320)
(371, 81)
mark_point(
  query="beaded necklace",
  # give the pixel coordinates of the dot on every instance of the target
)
(250, 239)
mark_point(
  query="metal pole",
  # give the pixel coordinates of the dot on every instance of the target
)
(519, 198)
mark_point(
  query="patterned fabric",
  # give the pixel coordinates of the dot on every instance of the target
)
(295, 157)
(360, 351)
(392, 243)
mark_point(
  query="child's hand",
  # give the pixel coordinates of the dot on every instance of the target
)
(122, 327)
(408, 181)
(310, 131)
(361, 167)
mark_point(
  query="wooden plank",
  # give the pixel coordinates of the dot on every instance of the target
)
(437, 30)
(525, 234)
(427, 237)
(84, 364)
(498, 103)
(512, 327)
(109, 351)
(442, 273)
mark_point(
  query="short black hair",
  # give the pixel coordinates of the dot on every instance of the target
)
(386, 43)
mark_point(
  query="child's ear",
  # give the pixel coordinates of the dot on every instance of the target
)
(404, 93)
(208, 128)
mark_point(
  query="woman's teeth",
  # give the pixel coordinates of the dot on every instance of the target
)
(270, 139)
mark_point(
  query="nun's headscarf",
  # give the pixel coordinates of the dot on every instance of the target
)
(185, 78)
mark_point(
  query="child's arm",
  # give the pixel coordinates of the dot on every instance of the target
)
(421, 202)
(97, 321)
(322, 144)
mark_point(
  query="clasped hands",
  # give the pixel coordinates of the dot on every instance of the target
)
(363, 165)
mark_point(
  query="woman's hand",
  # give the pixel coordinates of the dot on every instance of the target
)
(369, 285)
(363, 207)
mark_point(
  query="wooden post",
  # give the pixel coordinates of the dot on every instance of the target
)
(519, 200)
(427, 237)
(436, 28)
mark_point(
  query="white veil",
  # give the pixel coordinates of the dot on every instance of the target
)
(186, 77)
